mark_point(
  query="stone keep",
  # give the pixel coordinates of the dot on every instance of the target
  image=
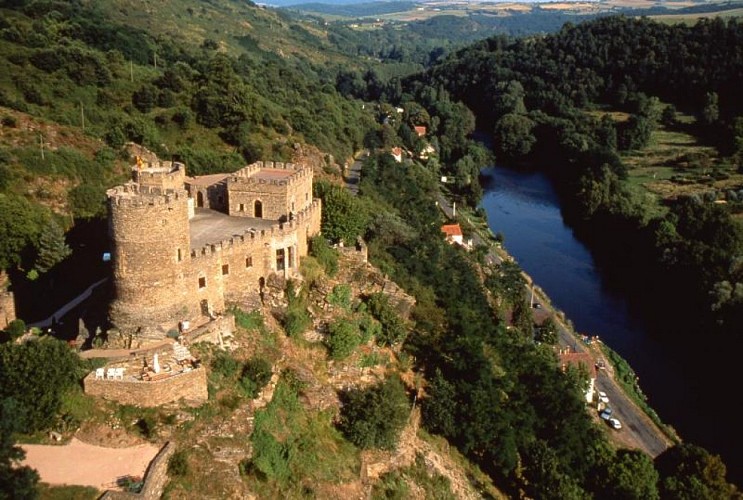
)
(165, 271)
(149, 231)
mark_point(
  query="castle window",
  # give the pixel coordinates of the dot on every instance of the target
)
(292, 206)
(180, 255)
(249, 261)
(225, 269)
(202, 282)
(306, 196)
(242, 207)
(258, 211)
(280, 266)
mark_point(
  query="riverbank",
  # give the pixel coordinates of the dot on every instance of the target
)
(643, 427)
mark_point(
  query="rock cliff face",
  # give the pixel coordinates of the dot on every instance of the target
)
(7, 302)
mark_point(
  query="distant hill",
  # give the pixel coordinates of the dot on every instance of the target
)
(354, 9)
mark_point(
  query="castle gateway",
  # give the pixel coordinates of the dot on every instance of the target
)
(184, 246)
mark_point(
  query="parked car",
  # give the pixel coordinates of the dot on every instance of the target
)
(615, 423)
(603, 397)
(605, 414)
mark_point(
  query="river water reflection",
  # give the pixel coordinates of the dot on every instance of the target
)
(524, 207)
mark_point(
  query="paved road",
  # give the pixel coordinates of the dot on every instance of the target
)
(638, 430)
(352, 174)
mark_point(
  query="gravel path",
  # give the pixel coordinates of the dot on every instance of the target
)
(83, 464)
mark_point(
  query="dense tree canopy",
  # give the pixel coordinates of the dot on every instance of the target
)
(35, 375)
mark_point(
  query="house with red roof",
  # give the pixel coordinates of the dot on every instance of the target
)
(397, 154)
(420, 130)
(453, 234)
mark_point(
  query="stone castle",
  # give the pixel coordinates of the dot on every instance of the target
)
(182, 247)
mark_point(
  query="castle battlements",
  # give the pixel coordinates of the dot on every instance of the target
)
(252, 235)
(252, 174)
(132, 194)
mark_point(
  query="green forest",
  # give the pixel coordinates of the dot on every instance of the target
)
(92, 79)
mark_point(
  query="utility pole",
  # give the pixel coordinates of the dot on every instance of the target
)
(131, 71)
(155, 54)
(41, 145)
(453, 209)
(82, 115)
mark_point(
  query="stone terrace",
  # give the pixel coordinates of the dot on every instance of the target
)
(209, 226)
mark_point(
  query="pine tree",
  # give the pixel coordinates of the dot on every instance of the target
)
(52, 247)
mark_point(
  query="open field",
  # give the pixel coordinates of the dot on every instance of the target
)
(675, 163)
(693, 18)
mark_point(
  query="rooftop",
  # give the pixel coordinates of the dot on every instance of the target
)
(207, 180)
(451, 230)
(273, 174)
(209, 226)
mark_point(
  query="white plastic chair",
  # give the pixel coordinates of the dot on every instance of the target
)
(111, 373)
(100, 373)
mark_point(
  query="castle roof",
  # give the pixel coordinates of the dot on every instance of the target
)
(206, 180)
(209, 226)
(273, 174)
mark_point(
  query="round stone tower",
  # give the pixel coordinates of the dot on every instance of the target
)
(149, 230)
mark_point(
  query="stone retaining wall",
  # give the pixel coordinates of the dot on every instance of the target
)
(189, 386)
(154, 481)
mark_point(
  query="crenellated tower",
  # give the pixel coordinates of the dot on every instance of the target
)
(149, 230)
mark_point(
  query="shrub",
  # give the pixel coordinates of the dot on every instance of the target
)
(9, 121)
(249, 321)
(225, 365)
(343, 337)
(325, 255)
(340, 296)
(178, 464)
(393, 329)
(255, 375)
(374, 417)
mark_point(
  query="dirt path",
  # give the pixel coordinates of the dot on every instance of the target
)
(79, 463)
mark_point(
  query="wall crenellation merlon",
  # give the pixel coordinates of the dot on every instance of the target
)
(134, 195)
(245, 175)
(160, 169)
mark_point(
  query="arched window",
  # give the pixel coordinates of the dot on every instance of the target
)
(199, 199)
(258, 212)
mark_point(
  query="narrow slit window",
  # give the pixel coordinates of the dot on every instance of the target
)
(225, 269)
(249, 261)
(180, 255)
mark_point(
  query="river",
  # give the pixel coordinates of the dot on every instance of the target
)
(682, 387)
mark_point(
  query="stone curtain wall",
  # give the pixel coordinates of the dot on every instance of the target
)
(260, 246)
(189, 386)
(154, 481)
